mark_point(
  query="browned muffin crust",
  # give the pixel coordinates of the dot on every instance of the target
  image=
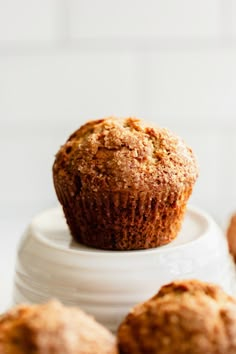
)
(185, 317)
(123, 184)
(122, 154)
(52, 329)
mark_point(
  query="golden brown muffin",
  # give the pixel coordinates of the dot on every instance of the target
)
(52, 328)
(124, 185)
(231, 236)
(185, 317)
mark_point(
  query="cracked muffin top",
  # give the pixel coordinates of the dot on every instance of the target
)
(121, 154)
(52, 328)
(184, 317)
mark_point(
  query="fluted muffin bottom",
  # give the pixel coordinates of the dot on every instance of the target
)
(124, 220)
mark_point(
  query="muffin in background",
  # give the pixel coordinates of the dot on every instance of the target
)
(231, 235)
(184, 317)
(124, 185)
(52, 328)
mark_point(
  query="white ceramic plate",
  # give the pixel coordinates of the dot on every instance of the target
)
(107, 283)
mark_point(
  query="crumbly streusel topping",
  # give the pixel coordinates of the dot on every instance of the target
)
(184, 317)
(53, 329)
(119, 154)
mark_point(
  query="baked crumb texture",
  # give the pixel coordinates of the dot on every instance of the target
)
(52, 328)
(231, 236)
(185, 317)
(124, 185)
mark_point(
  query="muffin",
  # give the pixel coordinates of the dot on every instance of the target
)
(231, 236)
(52, 328)
(124, 185)
(185, 317)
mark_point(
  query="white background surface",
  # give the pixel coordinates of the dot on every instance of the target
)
(62, 62)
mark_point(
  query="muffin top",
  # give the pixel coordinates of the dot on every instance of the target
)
(121, 154)
(184, 317)
(53, 329)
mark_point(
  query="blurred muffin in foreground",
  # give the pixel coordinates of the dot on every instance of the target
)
(52, 328)
(185, 317)
(124, 185)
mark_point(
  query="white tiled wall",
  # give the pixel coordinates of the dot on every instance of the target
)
(31, 20)
(62, 62)
(162, 18)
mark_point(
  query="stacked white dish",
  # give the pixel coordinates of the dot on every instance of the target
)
(107, 283)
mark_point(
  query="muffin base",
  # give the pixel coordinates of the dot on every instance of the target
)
(124, 220)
